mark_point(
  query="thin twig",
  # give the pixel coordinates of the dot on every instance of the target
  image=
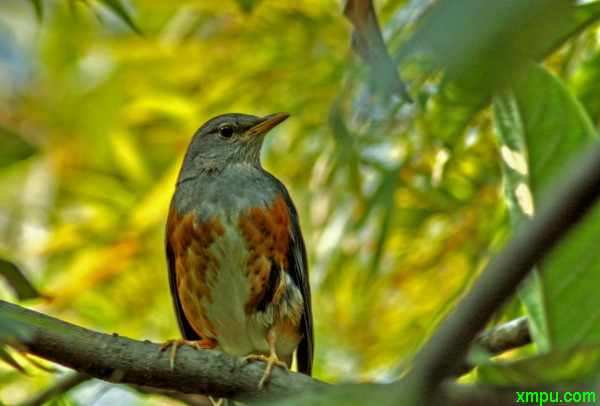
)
(498, 339)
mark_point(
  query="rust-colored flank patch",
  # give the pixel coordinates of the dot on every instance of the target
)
(195, 266)
(266, 232)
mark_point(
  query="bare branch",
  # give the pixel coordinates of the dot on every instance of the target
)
(504, 337)
(123, 360)
(496, 340)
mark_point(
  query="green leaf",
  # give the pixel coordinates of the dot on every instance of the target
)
(118, 9)
(556, 127)
(453, 108)
(17, 281)
(570, 280)
(510, 129)
(542, 128)
(6, 357)
(582, 17)
(11, 330)
(515, 32)
(555, 124)
(39, 9)
(247, 6)
(14, 148)
(575, 365)
(349, 156)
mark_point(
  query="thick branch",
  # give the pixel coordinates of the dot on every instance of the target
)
(122, 360)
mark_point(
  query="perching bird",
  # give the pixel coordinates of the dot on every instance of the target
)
(237, 262)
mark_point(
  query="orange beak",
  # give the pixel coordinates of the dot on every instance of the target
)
(267, 123)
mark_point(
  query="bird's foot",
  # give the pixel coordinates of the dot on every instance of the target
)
(207, 343)
(216, 402)
(271, 361)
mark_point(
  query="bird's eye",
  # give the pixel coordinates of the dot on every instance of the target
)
(226, 131)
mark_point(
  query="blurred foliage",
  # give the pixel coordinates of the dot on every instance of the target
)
(401, 204)
(577, 365)
(12, 331)
(17, 281)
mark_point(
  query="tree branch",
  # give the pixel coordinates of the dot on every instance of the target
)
(562, 210)
(504, 337)
(496, 340)
(123, 360)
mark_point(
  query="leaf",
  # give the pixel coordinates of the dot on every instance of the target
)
(575, 365)
(453, 108)
(484, 43)
(555, 124)
(247, 6)
(542, 128)
(583, 16)
(570, 280)
(117, 8)
(6, 357)
(17, 281)
(460, 100)
(368, 43)
(39, 9)
(384, 197)
(348, 153)
(11, 331)
(510, 129)
(14, 148)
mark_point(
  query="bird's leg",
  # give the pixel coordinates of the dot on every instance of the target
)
(271, 360)
(207, 343)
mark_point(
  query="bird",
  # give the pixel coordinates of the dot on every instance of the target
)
(238, 271)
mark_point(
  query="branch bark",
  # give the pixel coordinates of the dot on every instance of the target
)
(496, 340)
(122, 360)
(504, 337)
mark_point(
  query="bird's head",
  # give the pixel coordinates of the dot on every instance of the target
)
(228, 140)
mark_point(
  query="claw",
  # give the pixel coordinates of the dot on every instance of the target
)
(180, 342)
(271, 360)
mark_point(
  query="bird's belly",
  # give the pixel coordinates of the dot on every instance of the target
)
(237, 330)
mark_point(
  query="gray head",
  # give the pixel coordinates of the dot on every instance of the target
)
(228, 140)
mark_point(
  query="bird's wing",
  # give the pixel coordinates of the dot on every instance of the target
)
(185, 327)
(299, 273)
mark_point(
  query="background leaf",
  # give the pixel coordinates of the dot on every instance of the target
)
(117, 7)
(14, 148)
(578, 365)
(11, 331)
(17, 280)
(536, 148)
